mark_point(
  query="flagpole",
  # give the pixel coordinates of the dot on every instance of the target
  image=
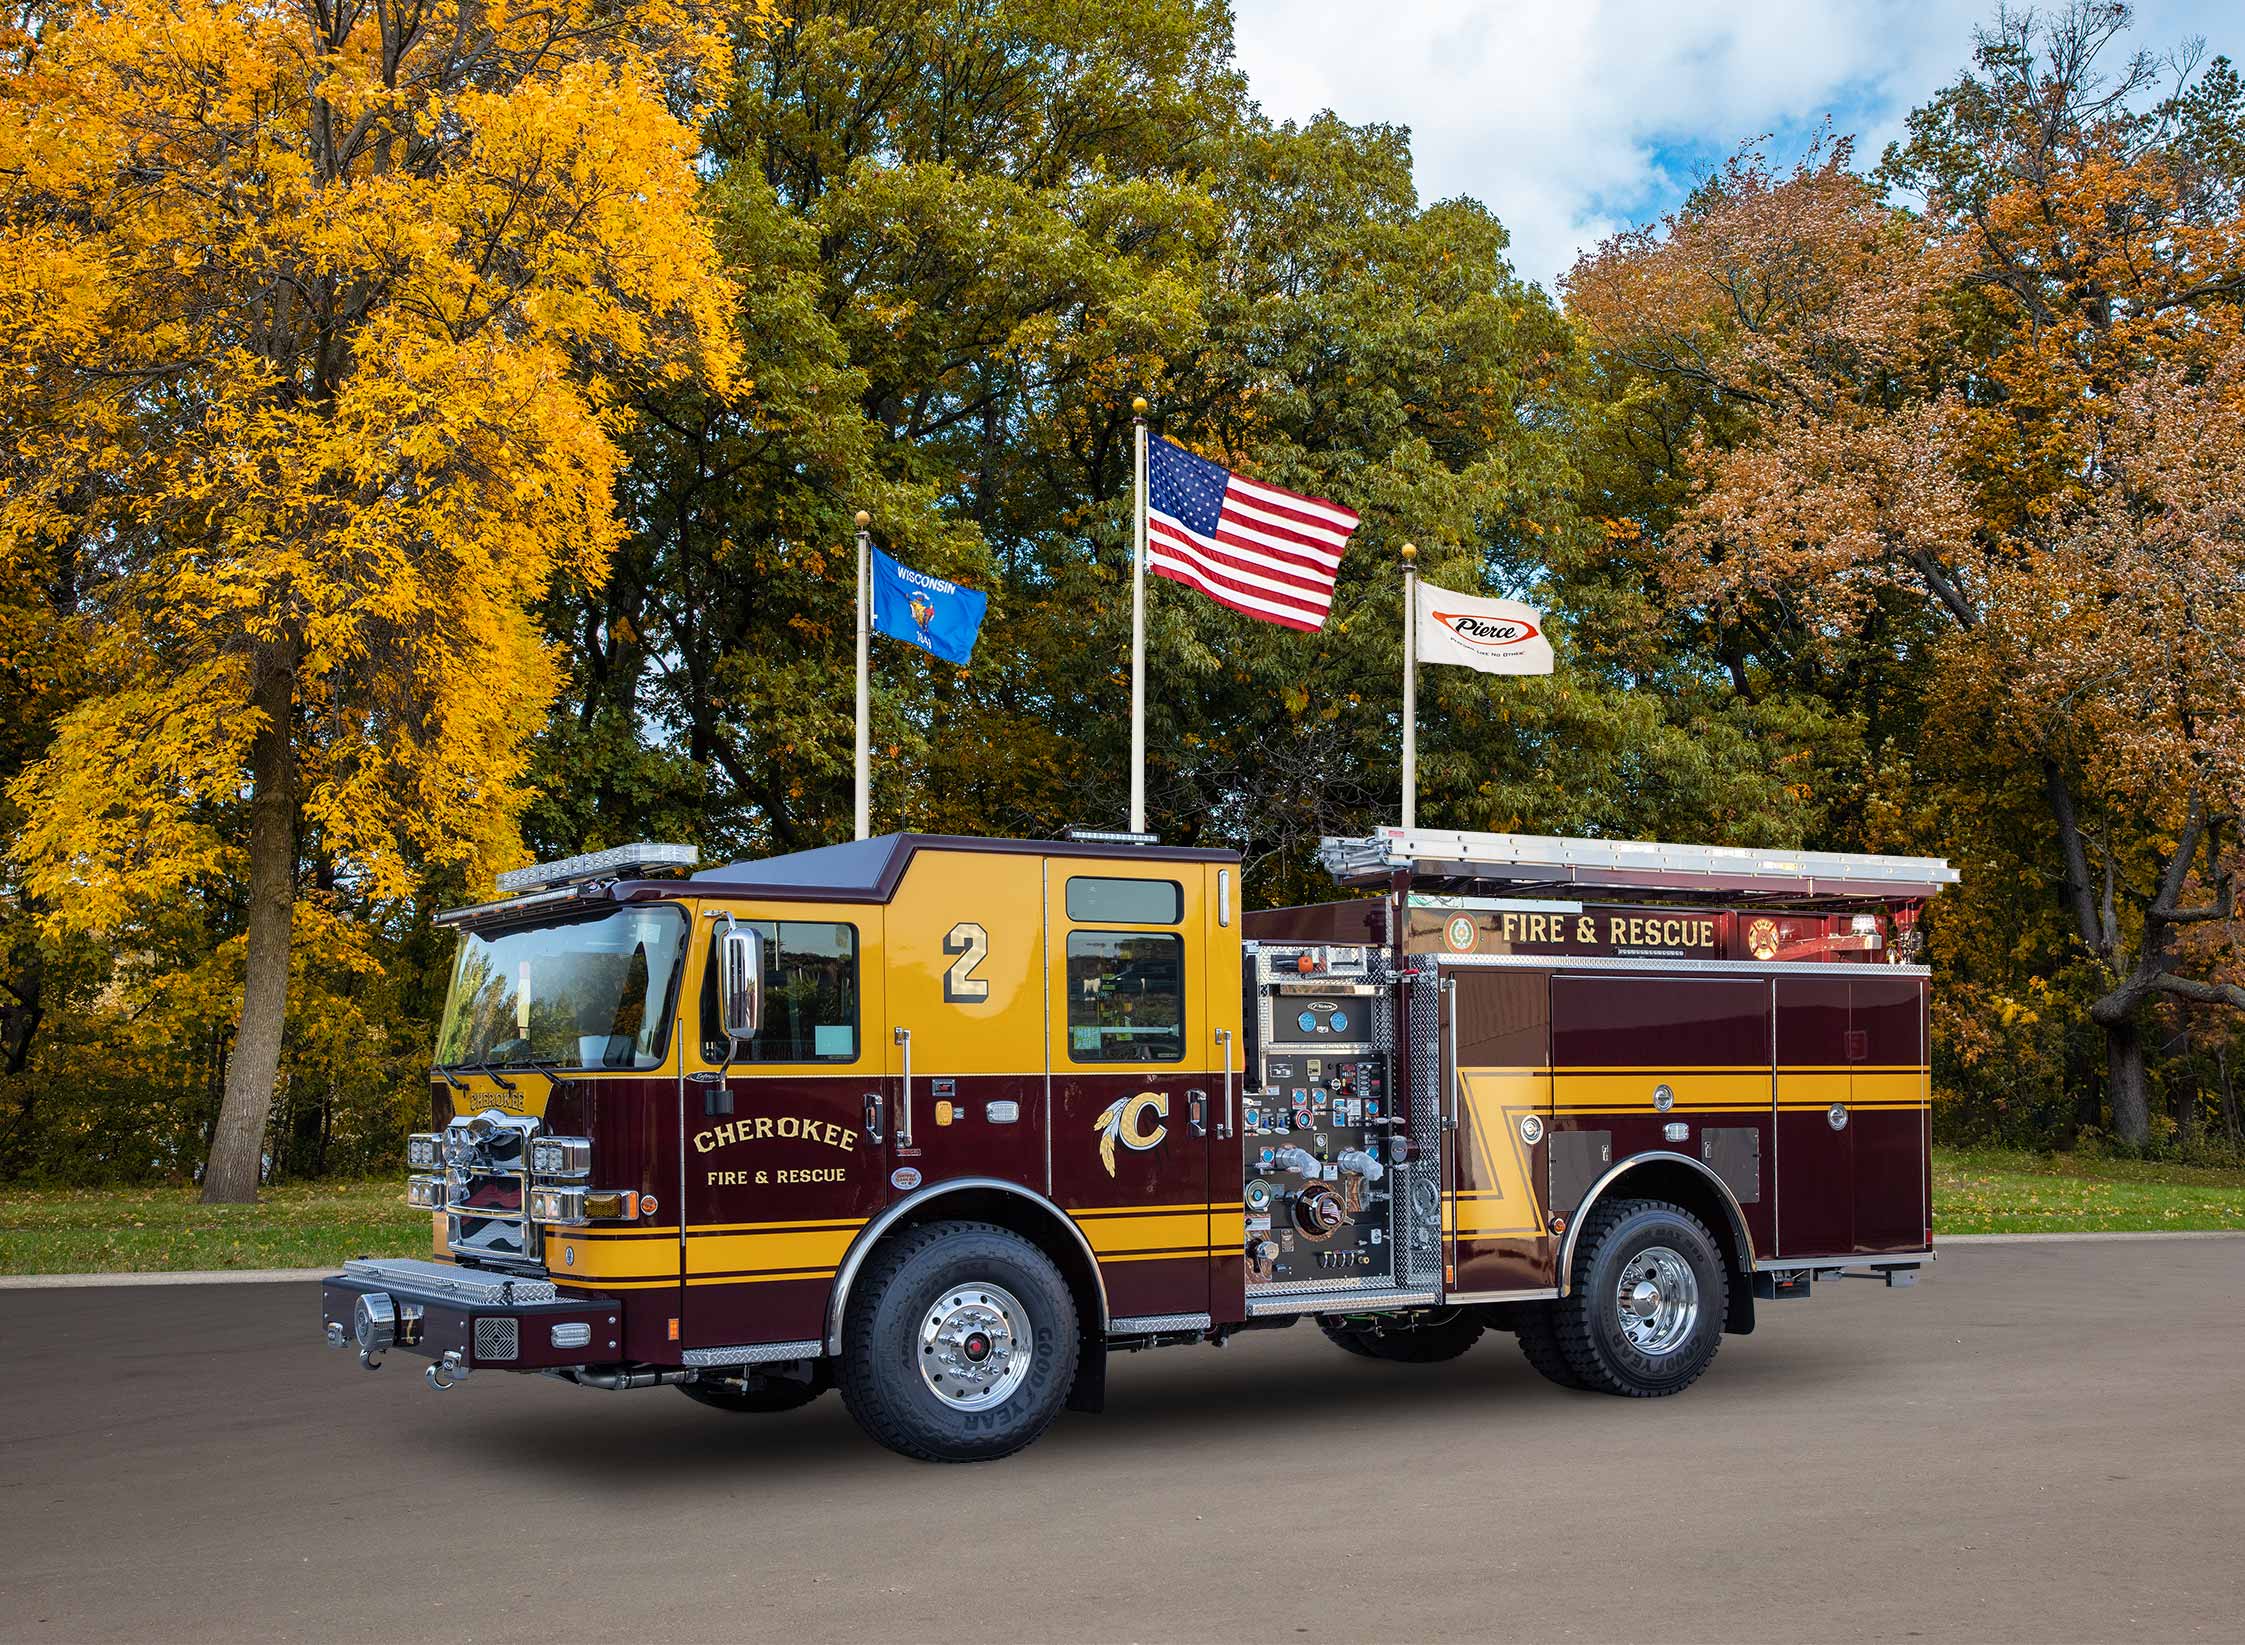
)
(1410, 687)
(1138, 625)
(864, 714)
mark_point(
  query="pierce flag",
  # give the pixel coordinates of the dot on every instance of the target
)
(1494, 636)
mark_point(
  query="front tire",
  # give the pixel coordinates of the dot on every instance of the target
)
(1648, 1295)
(1406, 1339)
(959, 1344)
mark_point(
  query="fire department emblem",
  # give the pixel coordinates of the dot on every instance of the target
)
(1124, 1121)
(1761, 939)
(1459, 933)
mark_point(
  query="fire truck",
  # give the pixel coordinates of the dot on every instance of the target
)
(945, 1123)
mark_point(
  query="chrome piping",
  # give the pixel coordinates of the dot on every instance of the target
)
(870, 1235)
(1666, 1156)
(1542, 1293)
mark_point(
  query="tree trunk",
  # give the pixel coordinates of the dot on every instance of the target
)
(237, 1145)
(2124, 1083)
(2229, 1097)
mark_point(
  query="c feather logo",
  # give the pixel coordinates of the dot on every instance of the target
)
(1122, 1121)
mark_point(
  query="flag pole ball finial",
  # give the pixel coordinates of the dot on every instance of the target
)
(1409, 553)
(863, 519)
(1138, 406)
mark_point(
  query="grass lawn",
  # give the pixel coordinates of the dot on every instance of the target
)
(1992, 1191)
(140, 1230)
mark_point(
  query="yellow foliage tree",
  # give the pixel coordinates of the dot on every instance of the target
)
(317, 324)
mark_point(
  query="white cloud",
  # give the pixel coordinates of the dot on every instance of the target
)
(1570, 118)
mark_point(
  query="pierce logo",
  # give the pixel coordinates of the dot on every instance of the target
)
(1488, 634)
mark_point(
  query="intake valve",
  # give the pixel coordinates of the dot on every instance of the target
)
(1300, 1161)
(1356, 1162)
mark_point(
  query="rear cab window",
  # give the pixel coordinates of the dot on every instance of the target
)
(1126, 988)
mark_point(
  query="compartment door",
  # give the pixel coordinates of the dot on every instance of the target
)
(1815, 1157)
(1496, 1072)
(1889, 1113)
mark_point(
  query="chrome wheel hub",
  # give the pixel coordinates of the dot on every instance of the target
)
(1657, 1299)
(975, 1346)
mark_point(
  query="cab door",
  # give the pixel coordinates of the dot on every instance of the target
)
(779, 1168)
(964, 1042)
(1136, 1075)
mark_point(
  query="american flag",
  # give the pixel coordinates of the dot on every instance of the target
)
(1270, 553)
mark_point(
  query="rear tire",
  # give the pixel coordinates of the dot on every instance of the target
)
(1407, 1339)
(959, 1344)
(1644, 1312)
(761, 1396)
(1539, 1344)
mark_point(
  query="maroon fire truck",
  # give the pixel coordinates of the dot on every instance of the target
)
(944, 1122)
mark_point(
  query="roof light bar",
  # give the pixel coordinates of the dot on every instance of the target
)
(1110, 836)
(613, 863)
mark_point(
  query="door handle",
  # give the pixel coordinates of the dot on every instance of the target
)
(1224, 1125)
(1196, 1112)
(904, 1094)
(873, 1115)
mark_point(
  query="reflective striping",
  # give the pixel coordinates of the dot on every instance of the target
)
(1147, 1233)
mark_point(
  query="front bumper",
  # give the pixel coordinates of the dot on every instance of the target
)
(466, 1319)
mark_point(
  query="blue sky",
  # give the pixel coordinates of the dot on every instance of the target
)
(1572, 118)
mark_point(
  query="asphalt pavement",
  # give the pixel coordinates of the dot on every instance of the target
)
(2039, 1443)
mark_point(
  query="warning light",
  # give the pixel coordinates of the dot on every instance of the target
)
(674, 1330)
(1305, 963)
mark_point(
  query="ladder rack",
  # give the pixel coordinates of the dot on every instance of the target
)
(1522, 861)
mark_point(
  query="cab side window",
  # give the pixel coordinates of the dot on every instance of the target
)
(1126, 989)
(810, 995)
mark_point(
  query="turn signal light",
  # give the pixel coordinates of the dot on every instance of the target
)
(425, 1193)
(572, 1207)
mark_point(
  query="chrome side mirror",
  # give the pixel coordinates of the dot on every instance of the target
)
(740, 980)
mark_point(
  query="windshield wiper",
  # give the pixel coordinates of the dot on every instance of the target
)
(489, 1073)
(450, 1078)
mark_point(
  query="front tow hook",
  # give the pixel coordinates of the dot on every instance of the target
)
(448, 1372)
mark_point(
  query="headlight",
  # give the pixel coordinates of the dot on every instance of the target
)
(425, 1193)
(563, 1205)
(560, 1157)
(424, 1148)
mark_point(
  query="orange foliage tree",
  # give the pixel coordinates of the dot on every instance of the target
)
(2016, 414)
(318, 322)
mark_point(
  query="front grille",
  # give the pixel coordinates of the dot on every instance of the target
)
(487, 1164)
(498, 1339)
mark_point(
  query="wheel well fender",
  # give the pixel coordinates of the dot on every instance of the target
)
(1008, 1205)
(1680, 1180)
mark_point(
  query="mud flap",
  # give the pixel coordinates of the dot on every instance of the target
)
(1089, 1391)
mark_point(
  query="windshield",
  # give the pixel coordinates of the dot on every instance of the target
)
(592, 992)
